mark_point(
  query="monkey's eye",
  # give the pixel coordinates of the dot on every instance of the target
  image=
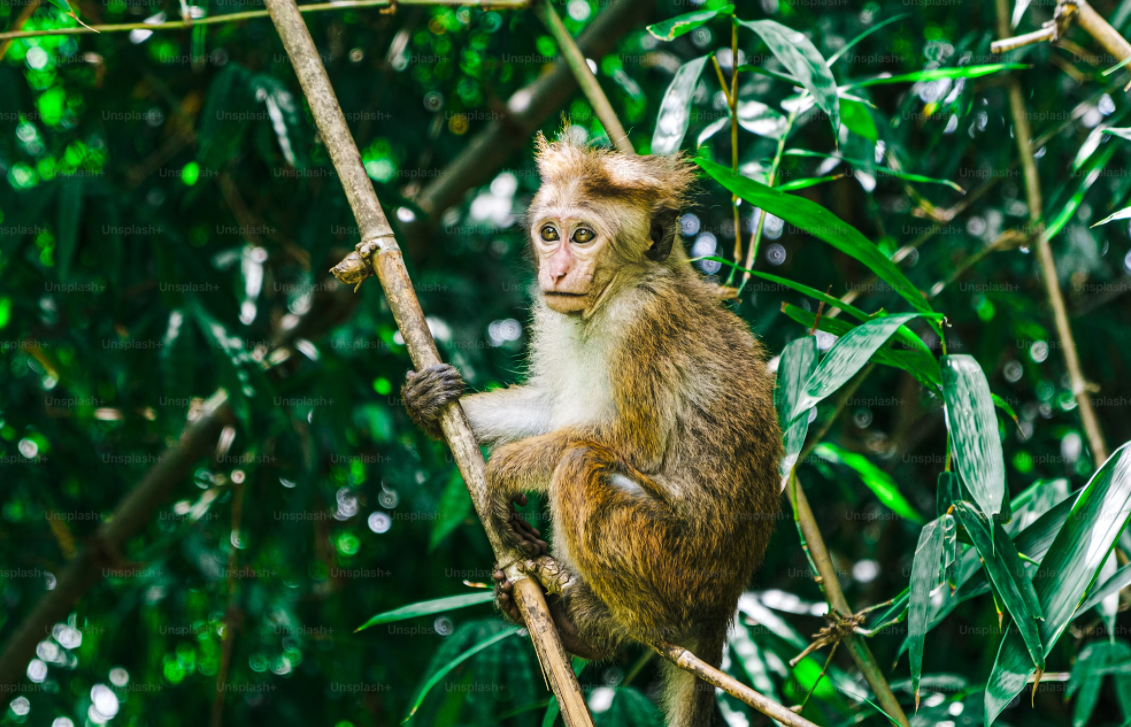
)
(549, 234)
(584, 235)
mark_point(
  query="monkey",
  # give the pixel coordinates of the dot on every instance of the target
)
(646, 419)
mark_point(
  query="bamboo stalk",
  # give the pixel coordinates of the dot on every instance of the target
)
(380, 249)
(1024, 136)
(684, 659)
(253, 14)
(584, 75)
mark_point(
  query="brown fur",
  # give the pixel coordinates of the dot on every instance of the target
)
(664, 496)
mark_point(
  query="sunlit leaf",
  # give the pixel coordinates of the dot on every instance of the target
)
(798, 54)
(758, 118)
(427, 608)
(858, 119)
(797, 363)
(675, 109)
(924, 579)
(937, 74)
(878, 481)
(819, 222)
(443, 671)
(974, 441)
(674, 27)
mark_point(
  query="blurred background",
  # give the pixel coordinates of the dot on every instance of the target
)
(167, 217)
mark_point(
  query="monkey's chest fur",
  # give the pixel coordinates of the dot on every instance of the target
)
(680, 394)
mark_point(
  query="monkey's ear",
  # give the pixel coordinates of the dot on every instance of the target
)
(665, 222)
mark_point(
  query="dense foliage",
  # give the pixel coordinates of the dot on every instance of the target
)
(167, 212)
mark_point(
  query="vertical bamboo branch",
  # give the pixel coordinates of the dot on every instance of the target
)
(379, 247)
(1024, 137)
(584, 75)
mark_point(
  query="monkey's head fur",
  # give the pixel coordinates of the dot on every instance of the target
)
(602, 220)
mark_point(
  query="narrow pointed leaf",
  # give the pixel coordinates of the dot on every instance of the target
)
(675, 109)
(1116, 583)
(444, 670)
(805, 63)
(924, 578)
(850, 44)
(798, 362)
(672, 28)
(974, 442)
(758, 118)
(848, 356)
(427, 608)
(1007, 573)
(1120, 215)
(937, 74)
(858, 119)
(1098, 516)
(822, 224)
(876, 479)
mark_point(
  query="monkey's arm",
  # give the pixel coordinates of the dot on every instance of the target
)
(505, 415)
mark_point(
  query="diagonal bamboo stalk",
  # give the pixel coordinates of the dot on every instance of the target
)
(1024, 136)
(81, 574)
(575, 59)
(379, 248)
(253, 14)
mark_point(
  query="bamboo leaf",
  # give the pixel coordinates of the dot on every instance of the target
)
(798, 54)
(1099, 514)
(1116, 583)
(876, 479)
(427, 608)
(797, 363)
(822, 224)
(809, 182)
(972, 423)
(445, 669)
(1120, 215)
(846, 357)
(937, 74)
(924, 578)
(1007, 573)
(672, 28)
(852, 43)
(675, 109)
(858, 119)
(758, 118)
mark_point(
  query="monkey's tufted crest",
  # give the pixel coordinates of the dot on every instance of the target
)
(662, 183)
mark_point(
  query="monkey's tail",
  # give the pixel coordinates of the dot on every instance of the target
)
(688, 701)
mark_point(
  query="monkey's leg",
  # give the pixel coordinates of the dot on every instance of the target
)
(516, 468)
(616, 525)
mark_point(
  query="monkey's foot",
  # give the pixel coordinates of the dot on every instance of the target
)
(428, 392)
(527, 537)
(504, 597)
(551, 574)
(567, 630)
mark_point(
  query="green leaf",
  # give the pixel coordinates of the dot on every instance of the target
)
(858, 119)
(1124, 133)
(1087, 676)
(455, 506)
(850, 44)
(675, 109)
(797, 363)
(427, 608)
(822, 224)
(1069, 210)
(758, 118)
(972, 423)
(797, 53)
(1118, 581)
(922, 366)
(674, 27)
(1007, 573)
(876, 479)
(924, 578)
(1120, 215)
(809, 182)
(69, 219)
(937, 74)
(863, 164)
(846, 357)
(1097, 518)
(771, 74)
(445, 669)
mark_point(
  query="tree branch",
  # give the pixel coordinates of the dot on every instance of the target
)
(579, 66)
(1024, 136)
(253, 14)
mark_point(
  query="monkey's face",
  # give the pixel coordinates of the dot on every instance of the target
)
(573, 255)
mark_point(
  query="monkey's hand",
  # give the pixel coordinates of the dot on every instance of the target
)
(566, 628)
(514, 529)
(428, 392)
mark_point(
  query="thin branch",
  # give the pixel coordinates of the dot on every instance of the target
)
(253, 14)
(379, 249)
(1024, 136)
(1067, 12)
(23, 17)
(579, 66)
